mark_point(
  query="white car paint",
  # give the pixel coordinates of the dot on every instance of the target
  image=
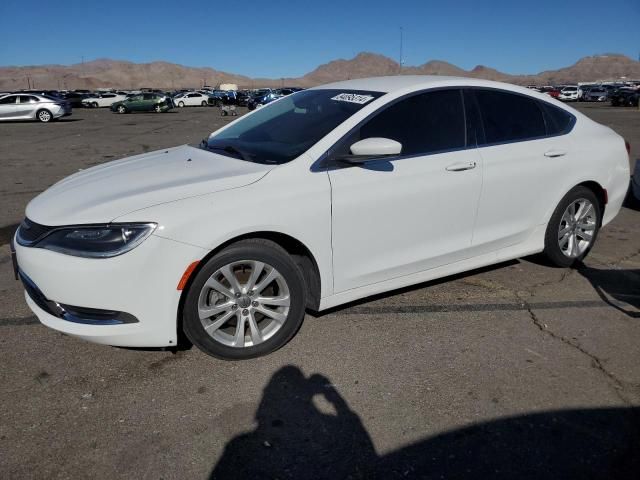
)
(190, 99)
(569, 94)
(369, 231)
(103, 100)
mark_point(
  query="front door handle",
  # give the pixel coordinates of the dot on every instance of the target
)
(554, 153)
(459, 167)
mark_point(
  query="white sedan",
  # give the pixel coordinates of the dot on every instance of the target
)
(102, 100)
(191, 99)
(320, 198)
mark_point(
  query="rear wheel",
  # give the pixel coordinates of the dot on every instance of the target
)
(44, 116)
(204, 104)
(573, 227)
(158, 108)
(246, 301)
(95, 105)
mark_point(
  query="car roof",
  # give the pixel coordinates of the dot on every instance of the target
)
(416, 82)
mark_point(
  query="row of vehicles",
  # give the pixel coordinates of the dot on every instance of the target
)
(49, 105)
(620, 95)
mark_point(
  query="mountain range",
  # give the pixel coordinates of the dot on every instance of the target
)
(129, 75)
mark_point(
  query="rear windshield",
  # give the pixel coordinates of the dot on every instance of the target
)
(286, 128)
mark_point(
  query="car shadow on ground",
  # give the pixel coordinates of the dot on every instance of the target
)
(619, 288)
(306, 429)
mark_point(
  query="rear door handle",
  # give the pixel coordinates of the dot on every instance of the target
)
(459, 167)
(554, 153)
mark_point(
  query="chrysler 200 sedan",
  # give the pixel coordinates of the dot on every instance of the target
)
(322, 197)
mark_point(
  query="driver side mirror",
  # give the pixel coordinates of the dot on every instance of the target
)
(371, 149)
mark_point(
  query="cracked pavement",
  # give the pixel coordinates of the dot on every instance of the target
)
(518, 369)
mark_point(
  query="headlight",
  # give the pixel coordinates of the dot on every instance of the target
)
(97, 241)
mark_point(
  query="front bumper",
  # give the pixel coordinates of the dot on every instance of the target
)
(129, 300)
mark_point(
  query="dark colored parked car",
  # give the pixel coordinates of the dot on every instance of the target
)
(624, 98)
(75, 98)
(143, 102)
(262, 97)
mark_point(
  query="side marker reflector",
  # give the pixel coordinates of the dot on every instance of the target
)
(187, 273)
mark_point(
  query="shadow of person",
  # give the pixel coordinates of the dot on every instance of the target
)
(305, 430)
(618, 288)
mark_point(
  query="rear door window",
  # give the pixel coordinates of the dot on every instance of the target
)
(509, 117)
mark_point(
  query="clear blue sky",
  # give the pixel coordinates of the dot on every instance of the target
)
(284, 38)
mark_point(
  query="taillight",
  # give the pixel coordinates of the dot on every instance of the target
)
(628, 146)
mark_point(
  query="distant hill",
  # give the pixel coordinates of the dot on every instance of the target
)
(128, 75)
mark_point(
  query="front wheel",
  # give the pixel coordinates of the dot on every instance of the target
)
(95, 105)
(245, 302)
(204, 104)
(573, 227)
(122, 109)
(181, 104)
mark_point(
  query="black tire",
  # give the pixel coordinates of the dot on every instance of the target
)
(44, 115)
(121, 109)
(552, 249)
(95, 105)
(204, 104)
(252, 249)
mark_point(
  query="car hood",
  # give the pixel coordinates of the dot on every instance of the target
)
(105, 192)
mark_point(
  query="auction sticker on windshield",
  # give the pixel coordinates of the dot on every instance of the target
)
(352, 98)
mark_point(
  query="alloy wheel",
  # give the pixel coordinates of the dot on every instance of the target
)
(577, 228)
(44, 116)
(244, 303)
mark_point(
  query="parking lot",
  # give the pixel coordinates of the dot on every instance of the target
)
(517, 370)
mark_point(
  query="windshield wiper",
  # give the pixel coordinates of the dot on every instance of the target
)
(229, 149)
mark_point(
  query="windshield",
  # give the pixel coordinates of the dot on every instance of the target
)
(285, 129)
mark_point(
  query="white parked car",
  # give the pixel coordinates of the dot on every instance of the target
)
(570, 94)
(102, 100)
(320, 198)
(191, 99)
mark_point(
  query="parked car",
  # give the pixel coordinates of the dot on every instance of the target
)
(595, 94)
(262, 98)
(102, 100)
(551, 91)
(33, 107)
(242, 97)
(222, 97)
(363, 186)
(143, 102)
(624, 98)
(74, 98)
(191, 99)
(635, 183)
(569, 94)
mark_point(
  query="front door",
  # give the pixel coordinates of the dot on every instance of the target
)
(413, 212)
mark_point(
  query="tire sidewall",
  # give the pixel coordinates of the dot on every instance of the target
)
(275, 257)
(552, 249)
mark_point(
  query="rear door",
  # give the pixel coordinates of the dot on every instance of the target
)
(8, 107)
(524, 159)
(409, 213)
